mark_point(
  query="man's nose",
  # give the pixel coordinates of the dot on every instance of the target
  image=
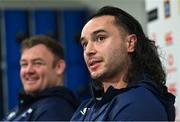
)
(90, 48)
(30, 68)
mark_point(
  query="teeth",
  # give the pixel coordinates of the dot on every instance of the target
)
(92, 62)
(31, 78)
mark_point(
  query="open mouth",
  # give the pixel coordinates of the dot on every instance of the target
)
(31, 80)
(94, 64)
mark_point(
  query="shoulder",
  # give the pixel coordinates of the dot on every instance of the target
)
(52, 108)
(137, 103)
(52, 101)
(134, 93)
(138, 96)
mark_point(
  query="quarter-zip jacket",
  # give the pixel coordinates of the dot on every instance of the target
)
(142, 101)
(53, 104)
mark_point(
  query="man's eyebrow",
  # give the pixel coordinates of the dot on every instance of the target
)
(22, 60)
(81, 39)
(98, 31)
(36, 59)
(94, 33)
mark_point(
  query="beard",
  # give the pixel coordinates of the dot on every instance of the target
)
(116, 65)
(109, 72)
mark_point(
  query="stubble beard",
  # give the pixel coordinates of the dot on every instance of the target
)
(109, 72)
(116, 65)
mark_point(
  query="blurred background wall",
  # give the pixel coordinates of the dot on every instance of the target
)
(61, 19)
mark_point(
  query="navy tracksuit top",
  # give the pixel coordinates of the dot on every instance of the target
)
(142, 101)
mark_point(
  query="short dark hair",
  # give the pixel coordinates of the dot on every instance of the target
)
(53, 45)
(145, 58)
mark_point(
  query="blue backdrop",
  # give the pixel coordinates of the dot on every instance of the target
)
(16, 21)
(77, 77)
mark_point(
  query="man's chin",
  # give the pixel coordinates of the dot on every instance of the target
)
(97, 78)
(94, 77)
(30, 90)
(95, 74)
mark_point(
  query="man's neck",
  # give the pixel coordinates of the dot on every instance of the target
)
(117, 83)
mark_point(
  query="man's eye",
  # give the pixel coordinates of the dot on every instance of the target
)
(38, 63)
(84, 44)
(23, 64)
(100, 38)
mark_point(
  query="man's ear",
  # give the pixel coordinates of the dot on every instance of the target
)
(131, 43)
(60, 67)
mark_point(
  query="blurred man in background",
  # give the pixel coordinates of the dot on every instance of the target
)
(44, 97)
(125, 64)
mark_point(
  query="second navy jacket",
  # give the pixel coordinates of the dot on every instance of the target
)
(53, 104)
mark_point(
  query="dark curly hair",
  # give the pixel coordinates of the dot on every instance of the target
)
(145, 58)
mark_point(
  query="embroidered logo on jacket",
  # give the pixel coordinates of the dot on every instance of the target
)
(84, 111)
(11, 115)
(27, 112)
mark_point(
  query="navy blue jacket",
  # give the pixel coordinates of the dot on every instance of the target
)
(53, 104)
(142, 101)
